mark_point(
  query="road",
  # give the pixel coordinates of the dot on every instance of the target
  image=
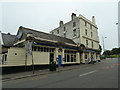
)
(100, 75)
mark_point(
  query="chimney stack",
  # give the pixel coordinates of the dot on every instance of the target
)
(61, 23)
(73, 16)
(93, 19)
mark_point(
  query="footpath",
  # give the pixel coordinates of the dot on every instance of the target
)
(20, 75)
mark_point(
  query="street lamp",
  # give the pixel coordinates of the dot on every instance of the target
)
(118, 34)
(103, 43)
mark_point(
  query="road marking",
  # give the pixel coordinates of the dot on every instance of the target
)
(88, 73)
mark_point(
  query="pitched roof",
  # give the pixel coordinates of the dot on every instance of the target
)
(8, 39)
(43, 35)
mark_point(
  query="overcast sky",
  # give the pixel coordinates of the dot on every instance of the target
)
(45, 16)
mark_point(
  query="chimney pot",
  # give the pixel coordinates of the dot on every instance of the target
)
(61, 23)
(93, 19)
(73, 16)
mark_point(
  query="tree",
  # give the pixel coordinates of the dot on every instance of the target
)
(107, 52)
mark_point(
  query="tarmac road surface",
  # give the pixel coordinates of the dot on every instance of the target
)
(100, 75)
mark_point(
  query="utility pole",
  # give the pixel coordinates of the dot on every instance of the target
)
(28, 48)
(103, 38)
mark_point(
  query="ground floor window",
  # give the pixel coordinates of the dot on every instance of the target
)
(42, 49)
(3, 58)
(96, 56)
(85, 56)
(70, 56)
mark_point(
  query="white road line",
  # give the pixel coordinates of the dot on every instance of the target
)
(88, 73)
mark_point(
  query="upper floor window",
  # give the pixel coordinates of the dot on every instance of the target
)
(64, 34)
(57, 31)
(85, 23)
(91, 34)
(92, 44)
(90, 26)
(74, 24)
(85, 31)
(52, 32)
(74, 32)
(86, 43)
(64, 28)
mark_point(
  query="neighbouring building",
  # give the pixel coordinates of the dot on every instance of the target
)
(6, 41)
(84, 33)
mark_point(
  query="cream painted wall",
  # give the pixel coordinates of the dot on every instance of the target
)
(88, 37)
(15, 60)
(80, 27)
(19, 58)
(69, 30)
(78, 57)
(41, 57)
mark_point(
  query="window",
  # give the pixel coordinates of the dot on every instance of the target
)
(41, 49)
(64, 34)
(64, 28)
(91, 34)
(35, 48)
(57, 31)
(45, 49)
(74, 24)
(74, 57)
(85, 56)
(85, 23)
(86, 43)
(52, 32)
(74, 32)
(38, 48)
(70, 56)
(90, 26)
(92, 44)
(85, 31)
(52, 49)
(96, 56)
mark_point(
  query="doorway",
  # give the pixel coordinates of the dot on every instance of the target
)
(59, 60)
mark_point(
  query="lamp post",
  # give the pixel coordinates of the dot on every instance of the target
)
(103, 43)
(118, 34)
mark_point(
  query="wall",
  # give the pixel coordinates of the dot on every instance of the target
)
(84, 37)
(41, 57)
(69, 30)
(16, 57)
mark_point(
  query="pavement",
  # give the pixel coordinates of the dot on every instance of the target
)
(14, 76)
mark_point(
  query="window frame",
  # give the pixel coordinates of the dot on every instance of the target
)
(74, 24)
(74, 32)
(86, 43)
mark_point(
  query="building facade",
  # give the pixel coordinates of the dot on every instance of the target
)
(32, 47)
(6, 41)
(83, 32)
